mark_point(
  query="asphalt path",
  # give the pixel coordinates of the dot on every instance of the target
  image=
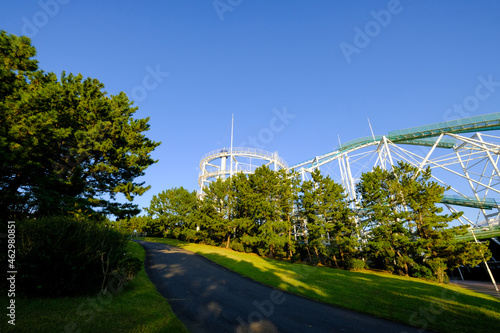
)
(209, 298)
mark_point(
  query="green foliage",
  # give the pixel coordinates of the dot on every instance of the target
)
(270, 213)
(60, 256)
(249, 213)
(218, 205)
(130, 266)
(267, 213)
(65, 144)
(237, 246)
(355, 264)
(172, 211)
(331, 230)
(138, 307)
(408, 234)
(382, 197)
(438, 267)
(135, 223)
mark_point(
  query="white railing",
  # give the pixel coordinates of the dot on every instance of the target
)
(244, 151)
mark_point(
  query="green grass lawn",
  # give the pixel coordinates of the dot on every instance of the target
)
(137, 308)
(442, 308)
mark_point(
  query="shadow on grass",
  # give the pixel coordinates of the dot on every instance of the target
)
(411, 301)
(416, 302)
(136, 308)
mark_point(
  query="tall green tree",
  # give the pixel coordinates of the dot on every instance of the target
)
(435, 240)
(331, 231)
(273, 231)
(383, 200)
(173, 212)
(408, 232)
(65, 144)
(219, 201)
(244, 210)
(16, 66)
(288, 191)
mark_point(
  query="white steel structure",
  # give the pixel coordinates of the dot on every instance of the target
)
(225, 162)
(463, 154)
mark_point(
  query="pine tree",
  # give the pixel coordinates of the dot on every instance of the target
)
(288, 187)
(382, 200)
(408, 233)
(173, 212)
(244, 210)
(65, 144)
(331, 231)
(436, 246)
(218, 195)
(273, 233)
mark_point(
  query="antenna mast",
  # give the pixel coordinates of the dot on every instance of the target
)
(231, 153)
(371, 129)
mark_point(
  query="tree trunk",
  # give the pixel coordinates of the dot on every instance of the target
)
(289, 239)
(317, 254)
(406, 264)
(335, 261)
(341, 252)
(309, 254)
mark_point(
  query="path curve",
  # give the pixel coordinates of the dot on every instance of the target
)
(209, 298)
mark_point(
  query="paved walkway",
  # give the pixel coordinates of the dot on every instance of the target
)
(485, 287)
(209, 298)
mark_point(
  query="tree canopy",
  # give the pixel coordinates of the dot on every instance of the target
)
(407, 232)
(66, 146)
(396, 226)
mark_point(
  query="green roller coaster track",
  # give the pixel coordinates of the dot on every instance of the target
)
(420, 135)
(428, 136)
(485, 203)
(480, 233)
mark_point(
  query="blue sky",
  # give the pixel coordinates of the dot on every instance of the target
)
(326, 65)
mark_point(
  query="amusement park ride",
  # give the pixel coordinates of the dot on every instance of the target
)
(463, 155)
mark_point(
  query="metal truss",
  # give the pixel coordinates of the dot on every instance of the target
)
(215, 164)
(469, 168)
(463, 156)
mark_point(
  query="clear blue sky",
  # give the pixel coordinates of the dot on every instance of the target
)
(329, 65)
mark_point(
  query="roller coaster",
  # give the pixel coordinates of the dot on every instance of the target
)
(467, 164)
(463, 155)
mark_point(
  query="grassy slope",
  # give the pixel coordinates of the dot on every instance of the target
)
(419, 303)
(137, 308)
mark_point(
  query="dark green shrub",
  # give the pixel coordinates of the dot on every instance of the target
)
(61, 256)
(355, 264)
(262, 252)
(237, 246)
(208, 241)
(421, 271)
(438, 268)
(130, 267)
